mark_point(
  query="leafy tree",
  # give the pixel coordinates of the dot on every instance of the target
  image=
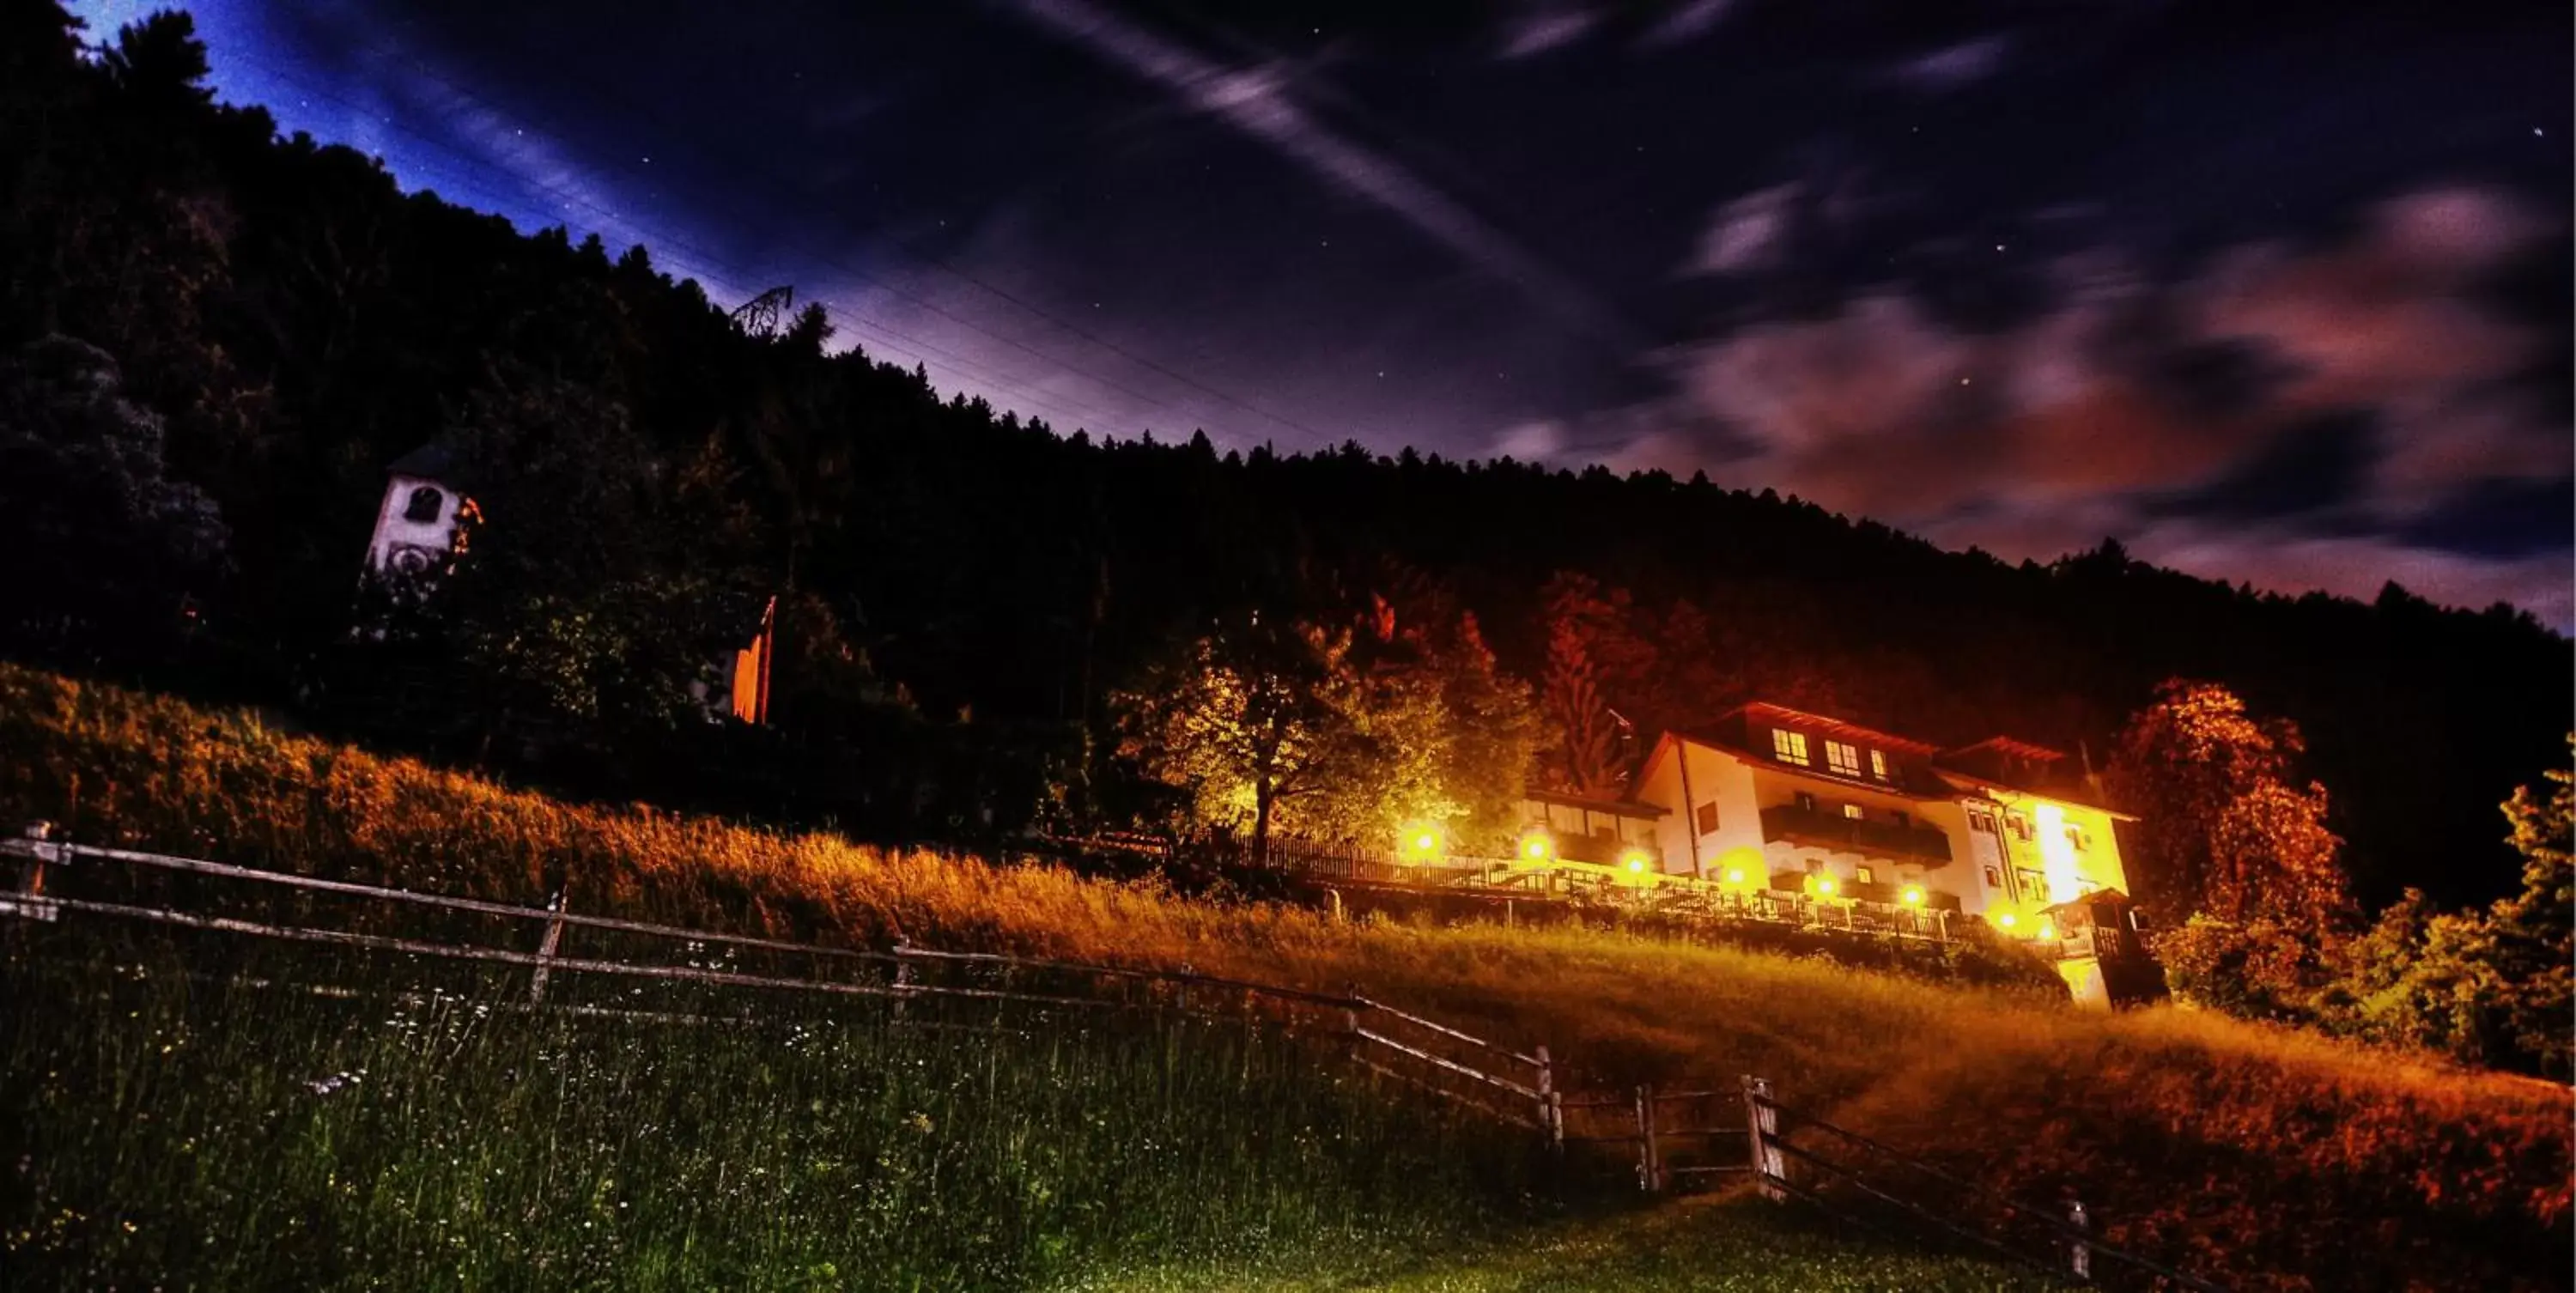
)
(89, 480)
(1487, 734)
(2229, 838)
(2227, 831)
(1266, 727)
(2486, 987)
(2535, 930)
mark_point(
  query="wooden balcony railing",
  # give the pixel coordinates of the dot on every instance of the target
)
(1792, 824)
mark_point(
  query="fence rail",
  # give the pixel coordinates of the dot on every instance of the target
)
(1508, 1085)
(1513, 1087)
(2071, 1249)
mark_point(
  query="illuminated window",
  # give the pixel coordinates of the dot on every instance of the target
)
(1878, 764)
(1865, 875)
(424, 505)
(1842, 758)
(1708, 818)
(1994, 878)
(2019, 823)
(1852, 811)
(1789, 747)
(2032, 882)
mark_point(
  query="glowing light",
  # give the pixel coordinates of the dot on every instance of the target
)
(2047, 928)
(1913, 895)
(1825, 885)
(1635, 858)
(2007, 920)
(1537, 847)
(1735, 875)
(2056, 854)
(1422, 841)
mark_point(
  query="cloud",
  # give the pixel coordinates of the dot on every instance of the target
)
(2294, 415)
(1748, 233)
(1537, 30)
(1259, 102)
(1953, 67)
(1687, 22)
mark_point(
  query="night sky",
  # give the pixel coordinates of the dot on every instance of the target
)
(2272, 291)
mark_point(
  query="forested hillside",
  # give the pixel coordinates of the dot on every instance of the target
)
(213, 340)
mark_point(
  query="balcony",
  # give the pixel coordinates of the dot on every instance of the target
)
(1816, 828)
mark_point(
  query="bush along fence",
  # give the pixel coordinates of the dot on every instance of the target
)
(1502, 884)
(1673, 1137)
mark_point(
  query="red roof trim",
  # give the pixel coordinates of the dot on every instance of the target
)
(1783, 716)
(2011, 748)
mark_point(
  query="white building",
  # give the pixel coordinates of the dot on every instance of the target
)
(1778, 798)
(421, 517)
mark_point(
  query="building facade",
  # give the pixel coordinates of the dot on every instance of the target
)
(1777, 798)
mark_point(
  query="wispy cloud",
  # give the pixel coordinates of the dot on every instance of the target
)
(1749, 233)
(2304, 416)
(1259, 102)
(1688, 21)
(1953, 67)
(1537, 30)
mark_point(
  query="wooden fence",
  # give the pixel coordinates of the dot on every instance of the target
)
(1512, 1086)
(1674, 1136)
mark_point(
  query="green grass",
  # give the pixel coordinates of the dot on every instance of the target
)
(190, 1112)
(202, 1128)
(2270, 1158)
(1729, 1244)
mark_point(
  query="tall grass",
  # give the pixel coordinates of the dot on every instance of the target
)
(2280, 1160)
(234, 1132)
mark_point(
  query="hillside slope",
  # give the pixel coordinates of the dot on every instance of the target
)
(2280, 1160)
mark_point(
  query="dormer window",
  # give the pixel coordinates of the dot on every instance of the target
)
(1789, 747)
(1878, 764)
(424, 506)
(1844, 760)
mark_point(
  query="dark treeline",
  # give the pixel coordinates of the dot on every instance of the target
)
(213, 340)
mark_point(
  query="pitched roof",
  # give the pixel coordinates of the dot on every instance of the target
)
(1854, 733)
(1904, 785)
(1615, 807)
(436, 460)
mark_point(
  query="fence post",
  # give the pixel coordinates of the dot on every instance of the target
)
(1185, 987)
(1761, 1123)
(902, 978)
(2079, 1254)
(30, 898)
(1551, 1106)
(546, 950)
(1650, 1168)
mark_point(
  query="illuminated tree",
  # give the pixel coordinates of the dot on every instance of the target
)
(1263, 724)
(2227, 830)
(2232, 841)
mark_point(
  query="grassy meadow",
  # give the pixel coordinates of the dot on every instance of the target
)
(231, 1133)
(2272, 1159)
